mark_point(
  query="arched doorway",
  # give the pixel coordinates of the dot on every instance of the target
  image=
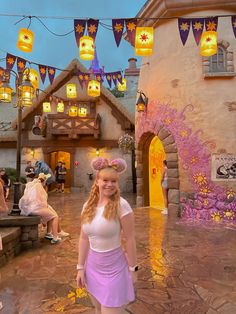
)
(142, 169)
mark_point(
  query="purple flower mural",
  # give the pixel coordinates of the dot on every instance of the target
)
(211, 201)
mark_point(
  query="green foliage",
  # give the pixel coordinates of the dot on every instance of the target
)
(11, 172)
(116, 92)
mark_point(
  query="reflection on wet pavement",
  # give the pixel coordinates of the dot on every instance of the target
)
(185, 268)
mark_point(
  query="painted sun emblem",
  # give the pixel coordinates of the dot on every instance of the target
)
(194, 160)
(184, 27)
(10, 60)
(86, 77)
(216, 216)
(79, 29)
(211, 26)
(20, 64)
(184, 133)
(118, 27)
(42, 70)
(205, 191)
(92, 28)
(51, 71)
(108, 77)
(81, 77)
(197, 26)
(131, 26)
(144, 37)
(167, 120)
(200, 178)
(98, 78)
(229, 214)
(114, 77)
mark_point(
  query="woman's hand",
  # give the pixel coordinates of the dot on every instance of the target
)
(80, 278)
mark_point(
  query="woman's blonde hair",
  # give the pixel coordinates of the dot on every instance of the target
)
(111, 208)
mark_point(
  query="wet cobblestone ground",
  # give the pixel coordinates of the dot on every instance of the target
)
(185, 268)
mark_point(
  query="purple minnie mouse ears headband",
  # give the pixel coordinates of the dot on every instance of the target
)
(101, 163)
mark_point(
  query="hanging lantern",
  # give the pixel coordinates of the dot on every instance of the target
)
(86, 48)
(33, 76)
(122, 87)
(5, 92)
(94, 88)
(26, 93)
(144, 41)
(60, 106)
(82, 112)
(25, 40)
(47, 107)
(142, 102)
(208, 44)
(71, 91)
(73, 111)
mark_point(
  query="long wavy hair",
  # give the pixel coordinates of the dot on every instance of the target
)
(111, 208)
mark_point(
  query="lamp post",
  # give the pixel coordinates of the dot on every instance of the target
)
(24, 97)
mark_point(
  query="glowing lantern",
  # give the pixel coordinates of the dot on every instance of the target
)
(73, 111)
(122, 87)
(82, 112)
(94, 88)
(142, 102)
(208, 44)
(60, 106)
(26, 93)
(86, 47)
(5, 92)
(25, 40)
(143, 41)
(33, 76)
(46, 107)
(71, 91)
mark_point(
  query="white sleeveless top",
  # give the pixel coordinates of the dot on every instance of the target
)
(103, 234)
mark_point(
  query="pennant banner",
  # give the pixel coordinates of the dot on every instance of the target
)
(92, 28)
(51, 74)
(184, 27)
(42, 72)
(10, 61)
(119, 76)
(114, 78)
(197, 27)
(233, 19)
(99, 77)
(118, 28)
(79, 28)
(131, 25)
(211, 23)
(20, 64)
(108, 77)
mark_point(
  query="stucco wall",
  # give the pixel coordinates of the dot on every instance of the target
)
(175, 76)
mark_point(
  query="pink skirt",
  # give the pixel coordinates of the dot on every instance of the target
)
(108, 278)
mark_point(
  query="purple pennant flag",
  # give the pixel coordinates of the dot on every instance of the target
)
(98, 78)
(79, 28)
(118, 28)
(109, 78)
(119, 76)
(42, 72)
(211, 23)
(51, 74)
(81, 78)
(92, 27)
(20, 64)
(184, 28)
(114, 78)
(131, 25)
(233, 19)
(197, 27)
(10, 61)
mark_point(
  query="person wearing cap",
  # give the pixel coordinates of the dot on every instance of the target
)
(60, 174)
(7, 182)
(34, 202)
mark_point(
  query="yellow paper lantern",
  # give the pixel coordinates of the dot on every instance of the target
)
(73, 111)
(25, 40)
(47, 107)
(94, 88)
(144, 41)
(82, 112)
(86, 48)
(5, 92)
(208, 44)
(60, 106)
(33, 76)
(71, 91)
(122, 87)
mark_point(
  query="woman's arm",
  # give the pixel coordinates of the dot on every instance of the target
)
(83, 252)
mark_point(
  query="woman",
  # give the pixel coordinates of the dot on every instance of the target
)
(34, 202)
(164, 185)
(103, 267)
(3, 205)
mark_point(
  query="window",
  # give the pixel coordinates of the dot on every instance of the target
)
(218, 61)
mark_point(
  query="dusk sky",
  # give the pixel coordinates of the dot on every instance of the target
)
(59, 51)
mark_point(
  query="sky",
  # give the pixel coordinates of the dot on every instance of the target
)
(58, 51)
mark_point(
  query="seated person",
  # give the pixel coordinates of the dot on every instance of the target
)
(29, 171)
(7, 182)
(3, 205)
(34, 202)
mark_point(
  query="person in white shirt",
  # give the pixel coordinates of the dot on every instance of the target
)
(103, 267)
